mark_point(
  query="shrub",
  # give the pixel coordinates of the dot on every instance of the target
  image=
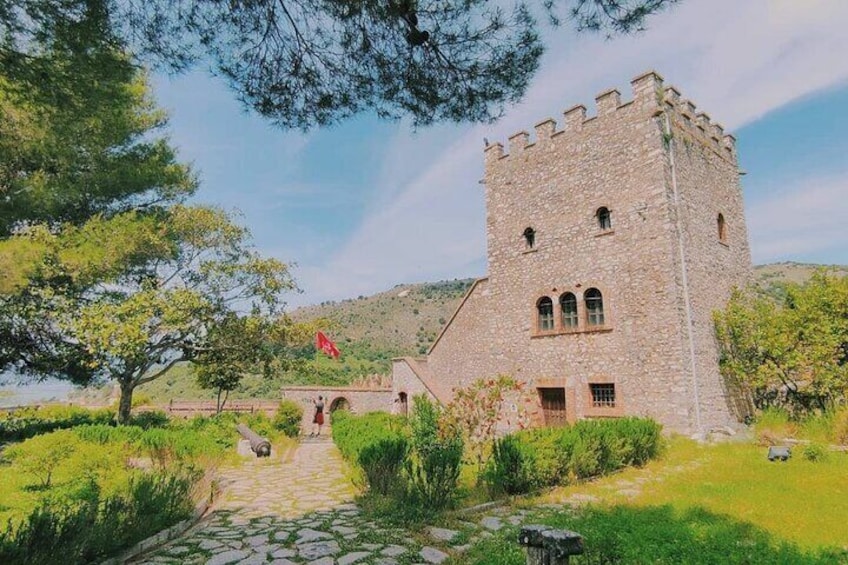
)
(814, 452)
(99, 526)
(28, 422)
(149, 419)
(589, 448)
(434, 470)
(352, 433)
(42, 455)
(506, 471)
(545, 461)
(288, 418)
(383, 462)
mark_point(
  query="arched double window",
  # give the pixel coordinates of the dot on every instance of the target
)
(604, 218)
(568, 307)
(722, 229)
(545, 309)
(594, 307)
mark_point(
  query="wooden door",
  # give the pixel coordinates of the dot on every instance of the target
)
(553, 406)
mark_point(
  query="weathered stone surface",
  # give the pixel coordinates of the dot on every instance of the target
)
(660, 264)
(232, 556)
(433, 555)
(385, 561)
(255, 559)
(209, 544)
(491, 523)
(308, 534)
(317, 549)
(284, 552)
(442, 534)
(354, 557)
(393, 550)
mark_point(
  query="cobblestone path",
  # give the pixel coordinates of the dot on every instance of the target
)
(287, 513)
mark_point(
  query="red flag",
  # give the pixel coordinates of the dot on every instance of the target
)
(323, 343)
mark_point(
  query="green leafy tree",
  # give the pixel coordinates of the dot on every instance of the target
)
(303, 63)
(237, 345)
(792, 353)
(79, 132)
(185, 307)
(85, 178)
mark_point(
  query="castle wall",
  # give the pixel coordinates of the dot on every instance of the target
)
(359, 400)
(621, 159)
(405, 380)
(704, 168)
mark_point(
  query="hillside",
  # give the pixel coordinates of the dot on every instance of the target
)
(402, 321)
(371, 330)
(772, 276)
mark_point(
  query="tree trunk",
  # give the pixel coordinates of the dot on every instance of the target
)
(226, 396)
(125, 404)
(218, 406)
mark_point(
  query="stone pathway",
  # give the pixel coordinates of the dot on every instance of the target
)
(287, 513)
(302, 512)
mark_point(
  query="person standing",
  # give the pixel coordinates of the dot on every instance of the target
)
(318, 419)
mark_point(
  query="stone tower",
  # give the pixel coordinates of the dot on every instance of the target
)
(611, 241)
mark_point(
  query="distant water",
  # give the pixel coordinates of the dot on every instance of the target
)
(18, 395)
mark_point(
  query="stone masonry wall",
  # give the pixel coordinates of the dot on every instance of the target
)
(618, 159)
(705, 169)
(359, 400)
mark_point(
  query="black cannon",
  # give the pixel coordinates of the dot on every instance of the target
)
(258, 444)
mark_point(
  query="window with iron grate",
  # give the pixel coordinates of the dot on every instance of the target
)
(603, 395)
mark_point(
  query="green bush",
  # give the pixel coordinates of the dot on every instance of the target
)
(383, 462)
(552, 456)
(434, 469)
(42, 455)
(288, 417)
(506, 471)
(814, 452)
(545, 462)
(29, 422)
(99, 526)
(352, 433)
(149, 419)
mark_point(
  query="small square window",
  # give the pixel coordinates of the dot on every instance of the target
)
(603, 395)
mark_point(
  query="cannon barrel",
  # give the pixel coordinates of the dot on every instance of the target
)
(258, 444)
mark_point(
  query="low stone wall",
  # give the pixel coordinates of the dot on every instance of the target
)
(190, 408)
(357, 400)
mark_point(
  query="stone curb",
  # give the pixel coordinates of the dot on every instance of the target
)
(482, 507)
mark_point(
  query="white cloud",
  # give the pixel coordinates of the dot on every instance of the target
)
(736, 60)
(806, 219)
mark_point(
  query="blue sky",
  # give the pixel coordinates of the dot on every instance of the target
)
(368, 204)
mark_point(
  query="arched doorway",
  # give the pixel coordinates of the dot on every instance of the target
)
(340, 403)
(403, 404)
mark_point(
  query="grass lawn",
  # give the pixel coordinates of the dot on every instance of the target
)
(698, 504)
(798, 501)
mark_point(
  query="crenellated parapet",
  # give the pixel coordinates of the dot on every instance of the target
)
(697, 124)
(650, 99)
